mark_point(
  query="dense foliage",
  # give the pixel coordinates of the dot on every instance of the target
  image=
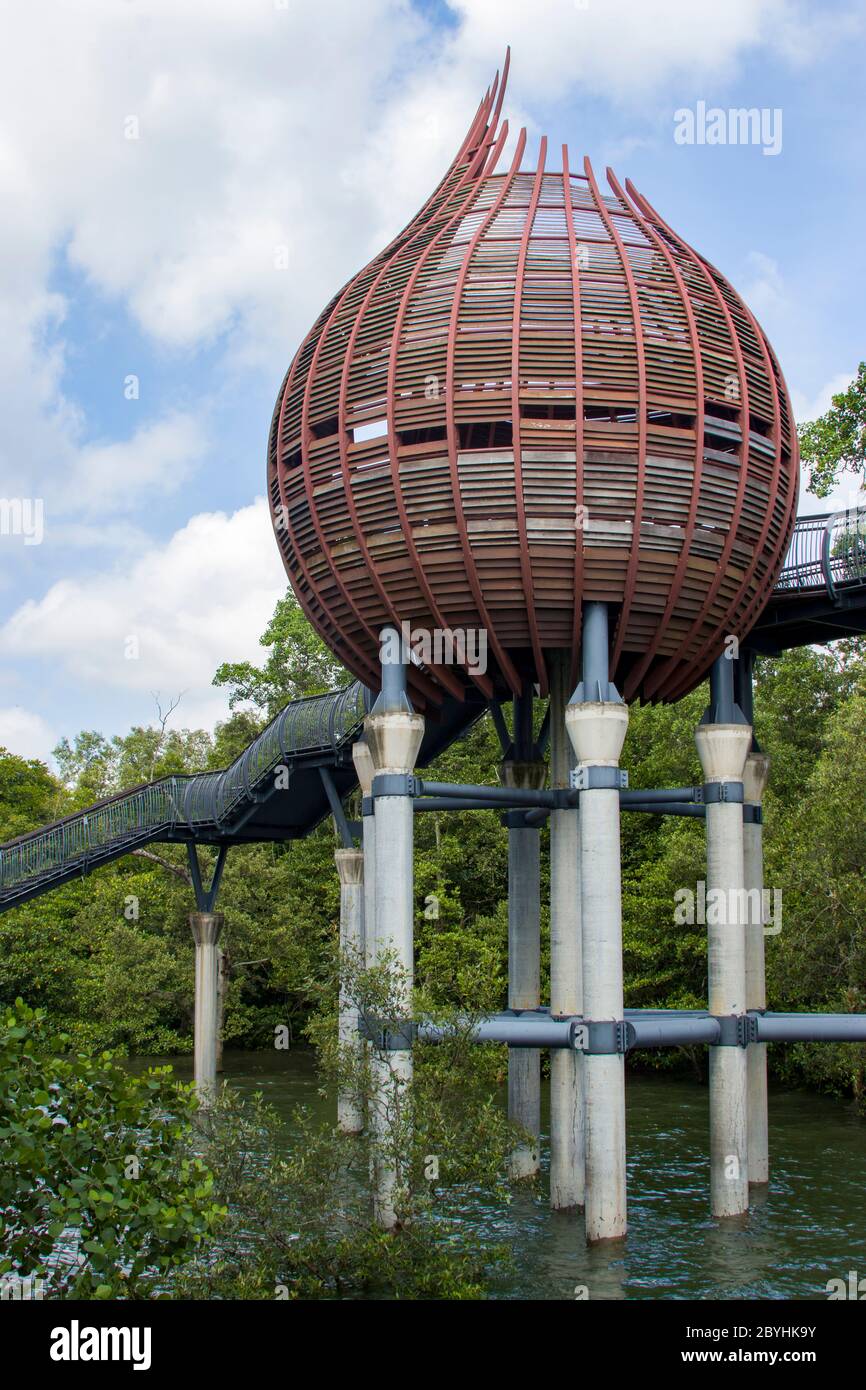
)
(836, 442)
(110, 957)
(118, 1186)
(300, 1216)
(101, 1194)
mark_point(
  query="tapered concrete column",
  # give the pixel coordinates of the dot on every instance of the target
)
(722, 748)
(524, 963)
(363, 760)
(394, 734)
(222, 988)
(206, 929)
(597, 721)
(566, 968)
(350, 867)
(754, 784)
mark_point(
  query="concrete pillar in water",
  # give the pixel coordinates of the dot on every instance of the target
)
(350, 867)
(754, 784)
(723, 745)
(566, 966)
(222, 987)
(597, 720)
(524, 963)
(363, 760)
(394, 734)
(206, 929)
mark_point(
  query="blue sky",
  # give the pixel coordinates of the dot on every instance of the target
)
(314, 131)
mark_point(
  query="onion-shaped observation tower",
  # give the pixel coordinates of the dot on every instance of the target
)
(536, 396)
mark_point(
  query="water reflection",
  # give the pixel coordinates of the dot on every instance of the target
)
(808, 1226)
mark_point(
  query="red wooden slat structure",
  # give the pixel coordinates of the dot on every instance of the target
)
(537, 395)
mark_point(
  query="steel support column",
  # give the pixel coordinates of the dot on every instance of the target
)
(524, 771)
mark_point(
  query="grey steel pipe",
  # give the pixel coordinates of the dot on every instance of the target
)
(667, 808)
(508, 796)
(811, 1027)
(456, 803)
(528, 1030)
(673, 1032)
(631, 796)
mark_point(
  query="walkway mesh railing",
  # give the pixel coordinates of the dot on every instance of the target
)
(826, 552)
(203, 800)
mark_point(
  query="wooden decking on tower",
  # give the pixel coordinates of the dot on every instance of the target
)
(537, 395)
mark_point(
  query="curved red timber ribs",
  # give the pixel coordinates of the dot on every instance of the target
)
(536, 396)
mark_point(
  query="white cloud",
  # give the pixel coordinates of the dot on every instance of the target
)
(25, 734)
(202, 598)
(110, 478)
(625, 51)
(765, 292)
(315, 127)
(247, 117)
(260, 126)
(811, 407)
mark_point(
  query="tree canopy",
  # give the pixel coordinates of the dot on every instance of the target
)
(111, 958)
(298, 664)
(835, 443)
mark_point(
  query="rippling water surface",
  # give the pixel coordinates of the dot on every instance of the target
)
(807, 1227)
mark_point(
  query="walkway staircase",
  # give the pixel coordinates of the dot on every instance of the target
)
(820, 595)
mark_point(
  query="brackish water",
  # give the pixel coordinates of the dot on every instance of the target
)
(807, 1227)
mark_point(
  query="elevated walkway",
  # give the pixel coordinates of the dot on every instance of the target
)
(246, 802)
(820, 596)
(821, 592)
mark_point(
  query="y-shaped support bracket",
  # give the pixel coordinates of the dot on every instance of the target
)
(205, 898)
(343, 828)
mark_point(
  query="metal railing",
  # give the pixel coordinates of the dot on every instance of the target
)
(826, 552)
(319, 724)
